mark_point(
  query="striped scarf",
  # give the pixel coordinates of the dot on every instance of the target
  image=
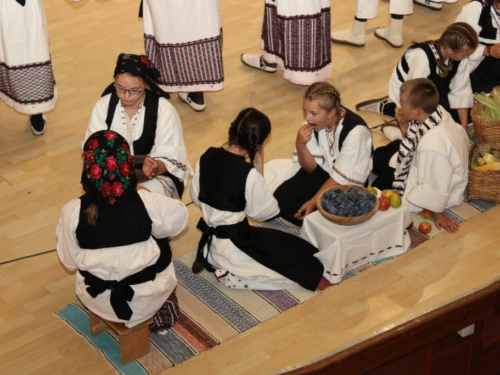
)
(408, 147)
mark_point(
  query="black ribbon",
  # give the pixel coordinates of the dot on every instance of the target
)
(238, 230)
(121, 291)
(22, 2)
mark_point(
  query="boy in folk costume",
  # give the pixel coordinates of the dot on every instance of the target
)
(27, 81)
(367, 9)
(295, 37)
(428, 167)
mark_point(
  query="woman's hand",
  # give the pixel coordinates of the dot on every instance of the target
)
(149, 167)
(258, 161)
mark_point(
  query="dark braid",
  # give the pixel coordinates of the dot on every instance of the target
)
(457, 36)
(249, 130)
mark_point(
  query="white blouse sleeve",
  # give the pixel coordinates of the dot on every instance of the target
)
(169, 142)
(261, 204)
(67, 244)
(194, 188)
(418, 63)
(316, 151)
(432, 190)
(169, 216)
(354, 163)
(460, 95)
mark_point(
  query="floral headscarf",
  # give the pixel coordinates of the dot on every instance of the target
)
(142, 67)
(108, 175)
(137, 65)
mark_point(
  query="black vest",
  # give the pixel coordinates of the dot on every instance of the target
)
(146, 141)
(442, 84)
(219, 189)
(351, 120)
(488, 31)
(126, 226)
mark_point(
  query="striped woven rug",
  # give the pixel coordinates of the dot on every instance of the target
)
(211, 313)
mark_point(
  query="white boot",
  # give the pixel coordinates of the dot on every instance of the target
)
(355, 36)
(392, 35)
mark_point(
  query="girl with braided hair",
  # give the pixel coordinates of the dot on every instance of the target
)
(333, 147)
(444, 62)
(228, 189)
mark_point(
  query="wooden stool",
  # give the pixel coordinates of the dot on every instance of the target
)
(134, 342)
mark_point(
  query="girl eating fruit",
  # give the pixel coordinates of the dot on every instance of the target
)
(333, 147)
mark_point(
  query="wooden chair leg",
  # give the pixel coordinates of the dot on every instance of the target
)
(134, 345)
(97, 325)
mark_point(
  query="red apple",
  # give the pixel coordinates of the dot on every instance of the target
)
(387, 194)
(384, 204)
(426, 214)
(425, 227)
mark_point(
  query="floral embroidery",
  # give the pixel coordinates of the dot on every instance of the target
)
(110, 174)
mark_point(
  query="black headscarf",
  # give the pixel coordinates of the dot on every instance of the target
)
(142, 67)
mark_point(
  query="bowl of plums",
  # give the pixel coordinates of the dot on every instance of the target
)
(347, 204)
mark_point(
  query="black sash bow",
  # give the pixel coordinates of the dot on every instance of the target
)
(121, 291)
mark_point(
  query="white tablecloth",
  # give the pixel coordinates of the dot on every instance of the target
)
(342, 248)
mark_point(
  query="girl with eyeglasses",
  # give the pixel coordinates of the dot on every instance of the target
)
(147, 120)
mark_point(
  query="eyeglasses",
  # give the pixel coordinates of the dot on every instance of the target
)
(132, 92)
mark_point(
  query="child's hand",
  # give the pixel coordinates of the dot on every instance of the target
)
(304, 135)
(149, 167)
(306, 209)
(443, 221)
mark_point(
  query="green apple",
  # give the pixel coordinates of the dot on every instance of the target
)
(373, 190)
(396, 200)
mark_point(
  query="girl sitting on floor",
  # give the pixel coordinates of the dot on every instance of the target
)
(117, 239)
(228, 189)
(442, 61)
(333, 147)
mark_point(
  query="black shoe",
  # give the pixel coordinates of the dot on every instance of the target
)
(38, 124)
(374, 105)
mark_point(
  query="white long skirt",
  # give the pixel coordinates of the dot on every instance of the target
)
(296, 36)
(183, 39)
(369, 8)
(26, 78)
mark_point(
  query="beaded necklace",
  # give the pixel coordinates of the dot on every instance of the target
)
(442, 68)
(330, 133)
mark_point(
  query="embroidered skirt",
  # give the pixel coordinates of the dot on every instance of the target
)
(26, 78)
(183, 39)
(296, 36)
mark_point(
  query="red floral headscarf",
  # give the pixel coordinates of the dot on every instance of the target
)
(108, 170)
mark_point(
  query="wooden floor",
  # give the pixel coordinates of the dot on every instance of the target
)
(38, 175)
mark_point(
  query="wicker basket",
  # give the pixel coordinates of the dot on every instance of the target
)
(347, 221)
(487, 131)
(483, 185)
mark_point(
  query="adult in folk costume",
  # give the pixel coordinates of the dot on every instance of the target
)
(367, 9)
(26, 78)
(117, 239)
(147, 120)
(183, 39)
(295, 37)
